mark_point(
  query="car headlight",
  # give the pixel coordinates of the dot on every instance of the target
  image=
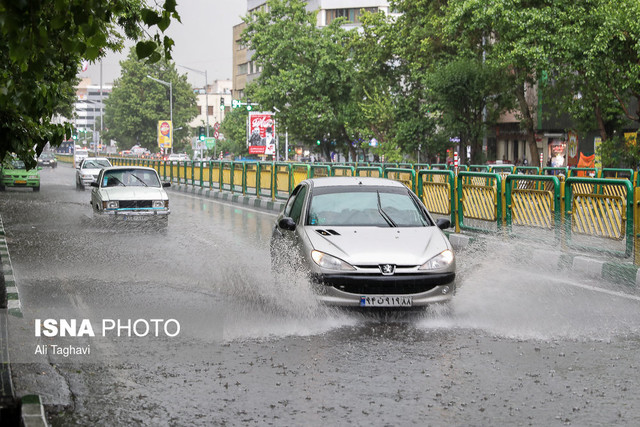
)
(441, 261)
(330, 262)
(160, 203)
(113, 204)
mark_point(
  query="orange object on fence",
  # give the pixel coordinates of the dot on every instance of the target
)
(586, 162)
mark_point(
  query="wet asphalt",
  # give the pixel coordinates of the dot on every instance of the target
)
(520, 344)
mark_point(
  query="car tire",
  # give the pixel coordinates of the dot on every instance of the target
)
(2, 187)
(79, 186)
(36, 188)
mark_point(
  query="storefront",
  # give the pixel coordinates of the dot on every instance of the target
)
(557, 153)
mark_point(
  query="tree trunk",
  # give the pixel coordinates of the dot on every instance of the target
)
(529, 128)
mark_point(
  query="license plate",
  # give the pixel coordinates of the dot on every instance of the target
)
(386, 301)
(20, 181)
(133, 217)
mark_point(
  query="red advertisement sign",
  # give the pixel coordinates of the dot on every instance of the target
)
(261, 130)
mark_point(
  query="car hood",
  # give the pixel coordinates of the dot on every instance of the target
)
(20, 172)
(133, 193)
(379, 245)
(92, 171)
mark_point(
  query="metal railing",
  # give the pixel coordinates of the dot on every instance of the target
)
(508, 199)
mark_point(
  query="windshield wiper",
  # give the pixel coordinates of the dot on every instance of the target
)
(384, 214)
(139, 179)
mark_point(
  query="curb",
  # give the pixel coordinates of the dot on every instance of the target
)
(13, 298)
(33, 414)
(225, 196)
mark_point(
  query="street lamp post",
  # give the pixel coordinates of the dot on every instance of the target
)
(170, 102)
(206, 97)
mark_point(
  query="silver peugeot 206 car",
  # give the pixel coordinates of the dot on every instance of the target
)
(365, 242)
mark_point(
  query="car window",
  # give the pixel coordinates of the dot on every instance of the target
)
(296, 207)
(376, 208)
(292, 198)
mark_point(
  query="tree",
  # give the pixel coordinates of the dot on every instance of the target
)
(137, 103)
(305, 71)
(509, 35)
(468, 95)
(596, 80)
(234, 128)
(43, 45)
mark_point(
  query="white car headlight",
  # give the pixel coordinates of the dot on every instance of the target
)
(113, 204)
(159, 203)
(330, 262)
(441, 261)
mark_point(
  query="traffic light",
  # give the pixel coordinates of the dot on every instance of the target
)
(248, 104)
(201, 133)
(222, 103)
(318, 142)
(75, 135)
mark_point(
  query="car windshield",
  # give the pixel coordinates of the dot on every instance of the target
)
(18, 164)
(95, 164)
(130, 178)
(374, 207)
(47, 156)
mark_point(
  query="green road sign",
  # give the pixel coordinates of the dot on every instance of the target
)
(210, 142)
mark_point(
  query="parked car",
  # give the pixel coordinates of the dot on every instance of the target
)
(14, 173)
(130, 194)
(48, 159)
(365, 242)
(89, 170)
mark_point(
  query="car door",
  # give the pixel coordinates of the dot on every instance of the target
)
(95, 194)
(285, 240)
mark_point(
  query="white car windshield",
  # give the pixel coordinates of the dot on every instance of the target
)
(95, 164)
(130, 178)
(377, 207)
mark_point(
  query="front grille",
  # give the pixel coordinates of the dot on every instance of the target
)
(135, 204)
(399, 284)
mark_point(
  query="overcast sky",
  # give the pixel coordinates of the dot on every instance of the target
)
(203, 41)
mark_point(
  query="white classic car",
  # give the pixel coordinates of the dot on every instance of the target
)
(130, 193)
(89, 170)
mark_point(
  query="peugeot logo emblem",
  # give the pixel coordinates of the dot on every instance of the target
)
(387, 269)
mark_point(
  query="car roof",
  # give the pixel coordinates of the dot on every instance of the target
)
(96, 158)
(343, 181)
(115, 168)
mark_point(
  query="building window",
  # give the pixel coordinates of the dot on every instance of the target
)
(242, 69)
(199, 109)
(210, 110)
(352, 15)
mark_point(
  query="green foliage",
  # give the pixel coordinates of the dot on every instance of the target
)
(615, 152)
(234, 128)
(137, 103)
(469, 96)
(305, 71)
(43, 45)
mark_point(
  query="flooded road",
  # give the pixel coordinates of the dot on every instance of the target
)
(521, 344)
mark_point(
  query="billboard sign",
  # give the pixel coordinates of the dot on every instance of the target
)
(165, 134)
(261, 133)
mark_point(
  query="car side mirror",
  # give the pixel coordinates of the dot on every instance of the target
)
(287, 223)
(443, 223)
(94, 184)
(39, 168)
(166, 184)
